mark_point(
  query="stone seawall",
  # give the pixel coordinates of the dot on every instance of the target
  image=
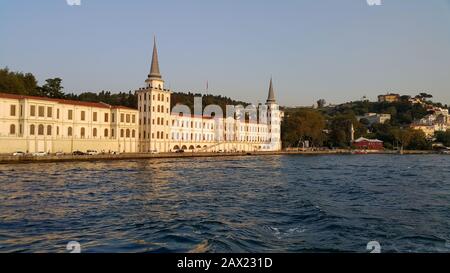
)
(9, 159)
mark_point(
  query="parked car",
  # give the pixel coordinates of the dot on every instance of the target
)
(78, 153)
(18, 153)
(39, 154)
(179, 151)
(91, 152)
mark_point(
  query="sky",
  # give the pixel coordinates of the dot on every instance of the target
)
(337, 50)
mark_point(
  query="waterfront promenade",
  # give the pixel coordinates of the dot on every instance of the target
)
(8, 159)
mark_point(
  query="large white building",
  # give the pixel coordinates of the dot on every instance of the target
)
(164, 129)
(38, 124)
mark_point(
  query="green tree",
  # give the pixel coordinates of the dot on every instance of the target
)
(443, 137)
(52, 88)
(301, 125)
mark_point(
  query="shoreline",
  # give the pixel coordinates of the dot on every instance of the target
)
(9, 159)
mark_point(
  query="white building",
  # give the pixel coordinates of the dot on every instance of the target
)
(164, 130)
(39, 124)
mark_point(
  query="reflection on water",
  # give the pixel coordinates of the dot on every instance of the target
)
(239, 204)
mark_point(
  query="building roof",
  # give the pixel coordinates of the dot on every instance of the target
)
(64, 101)
(154, 70)
(361, 139)
(271, 97)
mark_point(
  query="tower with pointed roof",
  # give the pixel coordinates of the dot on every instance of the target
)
(273, 119)
(154, 109)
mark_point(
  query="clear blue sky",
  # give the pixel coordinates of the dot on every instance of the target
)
(336, 50)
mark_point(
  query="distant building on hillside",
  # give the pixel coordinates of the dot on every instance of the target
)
(368, 144)
(375, 118)
(389, 98)
(437, 121)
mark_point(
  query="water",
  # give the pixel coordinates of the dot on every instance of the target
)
(229, 204)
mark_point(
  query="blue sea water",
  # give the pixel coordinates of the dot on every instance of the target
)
(333, 203)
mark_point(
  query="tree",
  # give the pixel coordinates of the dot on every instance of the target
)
(321, 103)
(443, 137)
(301, 125)
(52, 88)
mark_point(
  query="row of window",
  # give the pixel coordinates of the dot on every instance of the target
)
(159, 97)
(159, 121)
(159, 109)
(43, 111)
(48, 130)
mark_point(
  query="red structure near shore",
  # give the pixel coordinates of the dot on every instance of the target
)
(368, 144)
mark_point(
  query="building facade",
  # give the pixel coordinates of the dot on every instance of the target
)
(164, 130)
(39, 124)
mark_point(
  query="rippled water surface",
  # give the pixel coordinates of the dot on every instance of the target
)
(229, 204)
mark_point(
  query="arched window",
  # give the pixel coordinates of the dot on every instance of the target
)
(159, 98)
(157, 135)
(32, 129)
(133, 133)
(159, 108)
(83, 132)
(128, 132)
(69, 131)
(49, 130)
(162, 97)
(41, 130)
(106, 132)
(12, 129)
(94, 132)
(121, 133)
(162, 135)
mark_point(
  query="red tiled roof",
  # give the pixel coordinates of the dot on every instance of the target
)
(64, 101)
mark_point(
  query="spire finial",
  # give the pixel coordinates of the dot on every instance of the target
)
(154, 70)
(271, 97)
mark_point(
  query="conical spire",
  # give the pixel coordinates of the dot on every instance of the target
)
(154, 71)
(271, 97)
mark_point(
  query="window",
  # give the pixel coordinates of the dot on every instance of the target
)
(121, 133)
(69, 131)
(70, 114)
(94, 132)
(83, 115)
(106, 133)
(94, 116)
(41, 130)
(106, 117)
(32, 128)
(83, 132)
(122, 117)
(49, 130)
(57, 130)
(12, 129)
(41, 111)
(133, 133)
(21, 110)
(32, 110)
(128, 118)
(57, 113)
(12, 110)
(128, 132)
(49, 112)
(133, 119)
(112, 132)
(112, 117)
